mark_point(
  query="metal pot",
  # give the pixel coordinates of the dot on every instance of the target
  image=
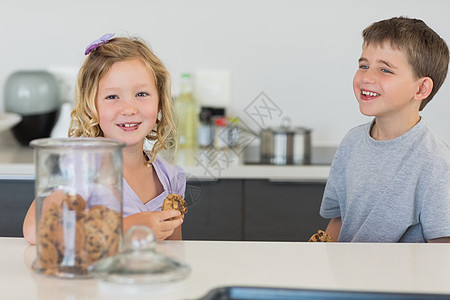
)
(285, 146)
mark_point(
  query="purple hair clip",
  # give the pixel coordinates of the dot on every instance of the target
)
(97, 43)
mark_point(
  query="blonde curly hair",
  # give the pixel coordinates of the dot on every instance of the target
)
(85, 121)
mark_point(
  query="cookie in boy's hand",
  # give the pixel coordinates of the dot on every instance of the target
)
(320, 236)
(175, 201)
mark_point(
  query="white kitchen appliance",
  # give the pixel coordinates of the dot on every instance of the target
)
(35, 96)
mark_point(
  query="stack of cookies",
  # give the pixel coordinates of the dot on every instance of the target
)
(72, 236)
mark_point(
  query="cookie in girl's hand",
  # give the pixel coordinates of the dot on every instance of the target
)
(176, 202)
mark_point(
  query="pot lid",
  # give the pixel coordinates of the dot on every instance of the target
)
(286, 127)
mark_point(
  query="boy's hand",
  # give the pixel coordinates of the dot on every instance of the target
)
(440, 240)
(334, 228)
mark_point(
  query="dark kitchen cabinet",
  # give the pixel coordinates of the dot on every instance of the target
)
(282, 211)
(15, 198)
(254, 210)
(214, 210)
(223, 209)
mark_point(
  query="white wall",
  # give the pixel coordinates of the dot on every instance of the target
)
(302, 54)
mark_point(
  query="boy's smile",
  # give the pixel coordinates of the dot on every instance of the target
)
(368, 95)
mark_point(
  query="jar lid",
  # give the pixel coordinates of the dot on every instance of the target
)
(140, 262)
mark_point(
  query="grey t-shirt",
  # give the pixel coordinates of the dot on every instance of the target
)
(390, 191)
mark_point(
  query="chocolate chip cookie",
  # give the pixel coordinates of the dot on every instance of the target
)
(175, 201)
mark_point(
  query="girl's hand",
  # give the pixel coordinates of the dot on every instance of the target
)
(29, 223)
(157, 221)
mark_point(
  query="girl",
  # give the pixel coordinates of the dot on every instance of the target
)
(123, 92)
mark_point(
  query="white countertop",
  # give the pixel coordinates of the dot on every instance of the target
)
(412, 268)
(16, 162)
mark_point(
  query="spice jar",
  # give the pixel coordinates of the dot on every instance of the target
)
(221, 133)
(78, 203)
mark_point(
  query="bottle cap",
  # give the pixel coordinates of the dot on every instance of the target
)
(205, 114)
(218, 111)
(222, 122)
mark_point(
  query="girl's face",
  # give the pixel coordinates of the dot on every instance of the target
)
(127, 102)
(384, 84)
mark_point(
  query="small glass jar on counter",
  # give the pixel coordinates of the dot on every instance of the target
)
(221, 133)
(78, 203)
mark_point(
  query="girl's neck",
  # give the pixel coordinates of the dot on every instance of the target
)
(133, 157)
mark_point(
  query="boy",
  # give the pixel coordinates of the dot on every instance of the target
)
(390, 178)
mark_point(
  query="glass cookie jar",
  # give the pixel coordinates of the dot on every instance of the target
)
(78, 191)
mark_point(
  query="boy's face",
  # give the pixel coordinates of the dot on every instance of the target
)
(385, 85)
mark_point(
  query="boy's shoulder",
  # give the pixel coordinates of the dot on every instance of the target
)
(437, 149)
(360, 129)
(356, 133)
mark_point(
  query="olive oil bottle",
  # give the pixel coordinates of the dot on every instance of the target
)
(186, 113)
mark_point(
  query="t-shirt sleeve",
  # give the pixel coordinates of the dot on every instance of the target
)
(335, 187)
(435, 213)
(330, 207)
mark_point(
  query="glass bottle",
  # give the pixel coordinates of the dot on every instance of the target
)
(186, 112)
(205, 127)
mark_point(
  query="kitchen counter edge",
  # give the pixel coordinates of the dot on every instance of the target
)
(297, 173)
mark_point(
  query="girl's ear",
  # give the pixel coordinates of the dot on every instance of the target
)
(425, 88)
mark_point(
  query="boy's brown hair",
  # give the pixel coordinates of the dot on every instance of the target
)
(427, 52)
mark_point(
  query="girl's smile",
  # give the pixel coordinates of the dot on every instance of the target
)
(129, 126)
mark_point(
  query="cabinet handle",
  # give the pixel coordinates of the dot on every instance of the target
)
(295, 180)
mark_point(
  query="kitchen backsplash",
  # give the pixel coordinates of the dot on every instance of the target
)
(300, 56)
